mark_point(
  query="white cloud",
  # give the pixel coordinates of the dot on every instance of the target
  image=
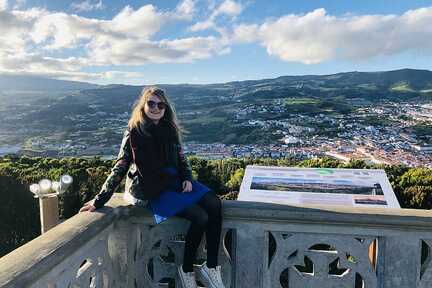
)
(60, 30)
(18, 4)
(228, 7)
(135, 52)
(14, 4)
(87, 6)
(316, 37)
(32, 40)
(245, 33)
(3, 5)
(141, 23)
(36, 40)
(198, 47)
(203, 25)
(185, 9)
(62, 69)
(36, 64)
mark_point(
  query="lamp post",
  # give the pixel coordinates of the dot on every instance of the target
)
(47, 191)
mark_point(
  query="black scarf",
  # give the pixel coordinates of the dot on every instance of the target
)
(164, 136)
(152, 147)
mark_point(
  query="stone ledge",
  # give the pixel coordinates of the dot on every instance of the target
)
(410, 219)
(29, 262)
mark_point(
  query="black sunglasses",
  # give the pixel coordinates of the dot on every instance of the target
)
(153, 104)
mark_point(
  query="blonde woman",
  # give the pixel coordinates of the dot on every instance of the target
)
(159, 177)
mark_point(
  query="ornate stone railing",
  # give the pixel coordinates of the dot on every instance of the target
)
(264, 245)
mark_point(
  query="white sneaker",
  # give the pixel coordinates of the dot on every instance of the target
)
(187, 278)
(211, 277)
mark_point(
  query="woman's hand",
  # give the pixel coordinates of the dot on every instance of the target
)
(88, 207)
(187, 186)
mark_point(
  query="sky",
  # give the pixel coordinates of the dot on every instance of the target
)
(210, 41)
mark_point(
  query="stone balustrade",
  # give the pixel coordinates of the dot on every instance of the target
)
(264, 245)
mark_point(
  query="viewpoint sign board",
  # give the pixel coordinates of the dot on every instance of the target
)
(317, 186)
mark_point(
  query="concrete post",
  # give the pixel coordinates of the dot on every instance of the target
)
(48, 212)
(251, 249)
(401, 261)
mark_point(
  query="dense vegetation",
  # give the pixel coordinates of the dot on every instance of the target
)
(314, 106)
(20, 213)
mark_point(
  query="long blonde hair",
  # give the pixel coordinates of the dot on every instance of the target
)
(138, 115)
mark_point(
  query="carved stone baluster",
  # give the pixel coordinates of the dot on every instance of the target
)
(121, 248)
(225, 260)
(350, 253)
(426, 273)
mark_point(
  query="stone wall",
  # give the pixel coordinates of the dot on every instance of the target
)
(263, 245)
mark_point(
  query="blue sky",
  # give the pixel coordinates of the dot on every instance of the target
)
(209, 41)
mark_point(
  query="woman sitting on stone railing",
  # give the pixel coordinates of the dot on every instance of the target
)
(159, 177)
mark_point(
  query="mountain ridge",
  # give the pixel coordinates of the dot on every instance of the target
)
(23, 82)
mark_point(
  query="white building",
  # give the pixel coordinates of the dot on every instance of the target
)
(290, 139)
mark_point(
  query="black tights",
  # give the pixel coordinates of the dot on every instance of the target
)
(206, 216)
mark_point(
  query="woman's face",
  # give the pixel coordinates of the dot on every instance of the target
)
(152, 110)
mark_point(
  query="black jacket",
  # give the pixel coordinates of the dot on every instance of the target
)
(145, 178)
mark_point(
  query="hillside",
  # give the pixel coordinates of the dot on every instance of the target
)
(211, 113)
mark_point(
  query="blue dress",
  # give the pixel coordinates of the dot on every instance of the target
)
(172, 201)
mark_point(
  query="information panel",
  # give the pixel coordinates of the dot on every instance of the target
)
(317, 186)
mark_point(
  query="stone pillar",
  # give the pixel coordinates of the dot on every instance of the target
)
(121, 249)
(251, 253)
(48, 212)
(401, 261)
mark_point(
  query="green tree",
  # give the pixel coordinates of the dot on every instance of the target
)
(19, 214)
(236, 179)
(416, 188)
(325, 162)
(413, 186)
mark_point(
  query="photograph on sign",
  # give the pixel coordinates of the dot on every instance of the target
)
(323, 186)
(369, 200)
(315, 186)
